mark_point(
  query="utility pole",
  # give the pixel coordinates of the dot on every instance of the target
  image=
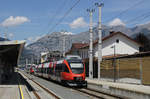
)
(91, 45)
(26, 62)
(100, 39)
(64, 42)
(114, 61)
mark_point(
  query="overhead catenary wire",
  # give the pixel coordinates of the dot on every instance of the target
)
(57, 12)
(143, 16)
(59, 21)
(124, 11)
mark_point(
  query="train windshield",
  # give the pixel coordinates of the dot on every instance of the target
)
(77, 68)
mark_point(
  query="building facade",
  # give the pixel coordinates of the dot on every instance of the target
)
(116, 43)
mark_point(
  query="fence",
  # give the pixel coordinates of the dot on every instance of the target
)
(130, 70)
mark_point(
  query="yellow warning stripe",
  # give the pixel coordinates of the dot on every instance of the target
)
(22, 97)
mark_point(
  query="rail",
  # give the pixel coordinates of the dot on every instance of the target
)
(44, 88)
(97, 94)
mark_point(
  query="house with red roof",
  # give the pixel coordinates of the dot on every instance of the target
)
(116, 43)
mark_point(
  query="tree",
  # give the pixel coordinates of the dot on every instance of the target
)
(144, 41)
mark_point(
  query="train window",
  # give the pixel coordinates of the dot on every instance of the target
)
(47, 70)
(58, 67)
(44, 70)
(65, 68)
(76, 65)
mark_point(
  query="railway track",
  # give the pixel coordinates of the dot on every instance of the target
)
(29, 86)
(44, 88)
(97, 94)
(86, 91)
(47, 90)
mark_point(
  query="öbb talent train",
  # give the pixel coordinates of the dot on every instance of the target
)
(68, 71)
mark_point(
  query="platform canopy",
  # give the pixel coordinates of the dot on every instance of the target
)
(10, 52)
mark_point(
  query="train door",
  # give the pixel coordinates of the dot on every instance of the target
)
(58, 71)
(54, 70)
(49, 69)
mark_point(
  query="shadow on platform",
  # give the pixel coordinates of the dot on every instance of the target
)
(16, 79)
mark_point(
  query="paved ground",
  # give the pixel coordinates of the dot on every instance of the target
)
(9, 89)
(9, 92)
(125, 86)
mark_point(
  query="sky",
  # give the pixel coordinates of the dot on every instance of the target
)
(31, 19)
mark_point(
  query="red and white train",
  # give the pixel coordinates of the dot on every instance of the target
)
(30, 68)
(69, 71)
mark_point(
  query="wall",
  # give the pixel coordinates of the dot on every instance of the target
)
(134, 68)
(125, 46)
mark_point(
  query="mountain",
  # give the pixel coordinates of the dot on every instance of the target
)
(145, 29)
(3, 39)
(51, 42)
(54, 41)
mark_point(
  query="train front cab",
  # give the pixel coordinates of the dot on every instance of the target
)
(74, 74)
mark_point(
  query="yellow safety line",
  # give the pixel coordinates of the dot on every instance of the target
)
(22, 97)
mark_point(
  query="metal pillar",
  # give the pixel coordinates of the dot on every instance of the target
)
(64, 44)
(91, 45)
(114, 63)
(100, 39)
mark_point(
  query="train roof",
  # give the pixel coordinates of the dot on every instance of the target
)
(72, 57)
(69, 58)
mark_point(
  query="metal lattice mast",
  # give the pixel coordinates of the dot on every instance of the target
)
(91, 45)
(100, 39)
(64, 41)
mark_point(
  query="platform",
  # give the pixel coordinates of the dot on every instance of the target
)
(122, 89)
(14, 88)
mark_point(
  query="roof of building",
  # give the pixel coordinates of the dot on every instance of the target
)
(10, 51)
(12, 42)
(111, 35)
(78, 45)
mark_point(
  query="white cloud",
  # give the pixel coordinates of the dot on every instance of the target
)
(11, 35)
(78, 23)
(36, 38)
(14, 21)
(33, 39)
(67, 33)
(30, 39)
(116, 22)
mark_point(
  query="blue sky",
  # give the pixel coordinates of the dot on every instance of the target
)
(31, 19)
